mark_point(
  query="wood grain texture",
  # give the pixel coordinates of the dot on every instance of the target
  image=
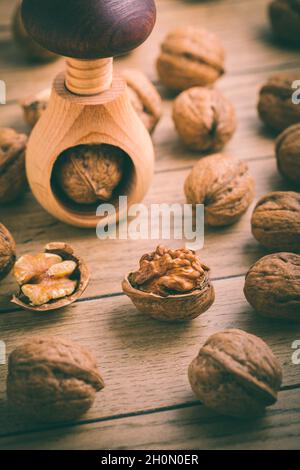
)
(147, 402)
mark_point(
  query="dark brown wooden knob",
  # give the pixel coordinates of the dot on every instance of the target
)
(89, 29)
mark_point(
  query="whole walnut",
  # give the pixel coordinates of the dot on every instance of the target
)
(236, 374)
(276, 221)
(285, 20)
(204, 118)
(144, 97)
(272, 286)
(7, 251)
(34, 106)
(223, 185)
(190, 57)
(170, 285)
(30, 48)
(88, 174)
(275, 106)
(52, 379)
(12, 165)
(288, 153)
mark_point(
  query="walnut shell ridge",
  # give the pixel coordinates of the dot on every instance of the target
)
(52, 379)
(276, 221)
(236, 374)
(272, 286)
(190, 57)
(204, 118)
(224, 185)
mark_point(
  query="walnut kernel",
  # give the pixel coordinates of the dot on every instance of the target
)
(204, 118)
(52, 379)
(170, 285)
(236, 374)
(7, 251)
(12, 165)
(223, 185)
(190, 57)
(50, 280)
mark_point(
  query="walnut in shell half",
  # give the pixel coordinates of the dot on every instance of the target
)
(236, 374)
(223, 185)
(276, 221)
(52, 379)
(50, 280)
(190, 57)
(205, 119)
(7, 251)
(144, 97)
(272, 286)
(170, 285)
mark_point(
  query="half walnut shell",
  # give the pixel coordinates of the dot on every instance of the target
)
(179, 307)
(80, 277)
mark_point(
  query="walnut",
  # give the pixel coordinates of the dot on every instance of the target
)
(285, 20)
(12, 165)
(30, 48)
(144, 97)
(88, 174)
(190, 57)
(52, 379)
(7, 251)
(288, 153)
(276, 221)
(50, 280)
(236, 374)
(34, 106)
(275, 106)
(223, 185)
(170, 285)
(204, 118)
(272, 286)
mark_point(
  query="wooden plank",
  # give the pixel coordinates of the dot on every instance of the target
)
(191, 428)
(144, 362)
(229, 251)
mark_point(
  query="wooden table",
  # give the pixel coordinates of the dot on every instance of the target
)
(147, 402)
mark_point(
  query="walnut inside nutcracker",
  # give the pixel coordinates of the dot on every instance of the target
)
(89, 174)
(236, 374)
(288, 153)
(223, 185)
(204, 118)
(12, 165)
(190, 57)
(7, 251)
(50, 280)
(285, 20)
(275, 107)
(272, 286)
(170, 285)
(52, 379)
(276, 221)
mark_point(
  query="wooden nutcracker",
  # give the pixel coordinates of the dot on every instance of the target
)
(89, 105)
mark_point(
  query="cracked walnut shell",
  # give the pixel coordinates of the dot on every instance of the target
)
(285, 20)
(288, 153)
(34, 106)
(236, 374)
(276, 221)
(170, 285)
(52, 379)
(272, 286)
(275, 107)
(50, 280)
(204, 118)
(190, 57)
(223, 185)
(7, 251)
(88, 174)
(12, 165)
